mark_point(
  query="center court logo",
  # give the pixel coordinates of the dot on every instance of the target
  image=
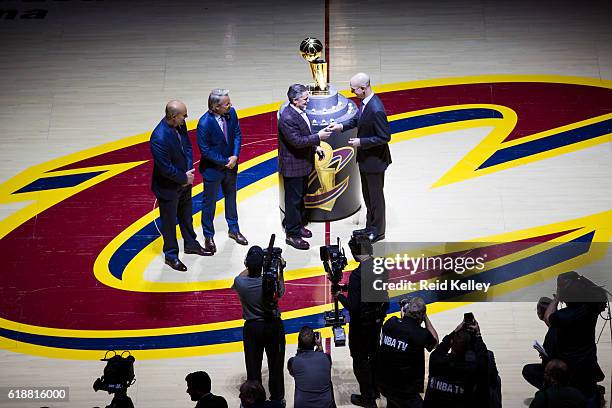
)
(67, 306)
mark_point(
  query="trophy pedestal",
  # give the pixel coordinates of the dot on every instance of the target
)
(334, 187)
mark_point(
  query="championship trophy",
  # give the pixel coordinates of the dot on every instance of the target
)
(334, 187)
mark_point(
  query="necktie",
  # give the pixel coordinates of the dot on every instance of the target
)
(178, 135)
(361, 107)
(224, 121)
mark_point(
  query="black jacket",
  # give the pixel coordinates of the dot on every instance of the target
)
(373, 131)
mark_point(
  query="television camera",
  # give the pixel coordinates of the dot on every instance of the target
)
(118, 377)
(334, 261)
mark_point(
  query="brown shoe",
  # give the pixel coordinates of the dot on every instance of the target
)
(297, 243)
(238, 237)
(305, 233)
(198, 251)
(209, 245)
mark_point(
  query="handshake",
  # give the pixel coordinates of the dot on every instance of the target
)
(326, 132)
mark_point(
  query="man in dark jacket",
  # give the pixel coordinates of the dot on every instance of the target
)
(557, 393)
(401, 357)
(198, 388)
(373, 155)
(367, 312)
(454, 376)
(172, 182)
(296, 149)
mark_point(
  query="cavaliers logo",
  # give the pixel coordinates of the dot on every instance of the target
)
(327, 167)
(76, 248)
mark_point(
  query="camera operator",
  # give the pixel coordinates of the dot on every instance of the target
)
(456, 378)
(534, 373)
(263, 328)
(575, 328)
(311, 369)
(366, 320)
(401, 357)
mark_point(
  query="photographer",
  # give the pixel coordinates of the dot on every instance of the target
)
(534, 373)
(457, 378)
(263, 328)
(366, 320)
(575, 328)
(401, 357)
(311, 369)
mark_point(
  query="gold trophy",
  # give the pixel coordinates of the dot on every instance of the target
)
(325, 173)
(311, 49)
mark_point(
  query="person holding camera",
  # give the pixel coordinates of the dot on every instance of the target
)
(311, 369)
(401, 358)
(534, 373)
(366, 318)
(263, 328)
(457, 368)
(575, 329)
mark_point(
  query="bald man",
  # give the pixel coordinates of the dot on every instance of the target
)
(172, 181)
(372, 145)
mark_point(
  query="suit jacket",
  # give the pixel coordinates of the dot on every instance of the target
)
(214, 149)
(211, 401)
(171, 159)
(296, 145)
(373, 155)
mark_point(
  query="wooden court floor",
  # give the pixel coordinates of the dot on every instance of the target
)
(84, 84)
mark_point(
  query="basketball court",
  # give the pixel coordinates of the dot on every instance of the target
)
(501, 121)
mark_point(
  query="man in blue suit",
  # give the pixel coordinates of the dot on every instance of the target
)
(373, 155)
(172, 181)
(219, 142)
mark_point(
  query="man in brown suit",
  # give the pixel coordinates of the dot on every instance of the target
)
(296, 148)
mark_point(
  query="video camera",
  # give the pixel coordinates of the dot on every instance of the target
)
(273, 267)
(334, 261)
(574, 288)
(118, 376)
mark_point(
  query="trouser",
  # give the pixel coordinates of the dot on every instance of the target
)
(171, 211)
(295, 212)
(269, 336)
(534, 375)
(413, 401)
(372, 188)
(209, 203)
(363, 344)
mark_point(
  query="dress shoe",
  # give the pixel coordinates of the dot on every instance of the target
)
(305, 233)
(297, 243)
(176, 265)
(238, 237)
(198, 251)
(358, 400)
(209, 245)
(380, 237)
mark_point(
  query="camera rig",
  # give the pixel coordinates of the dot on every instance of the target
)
(273, 267)
(334, 261)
